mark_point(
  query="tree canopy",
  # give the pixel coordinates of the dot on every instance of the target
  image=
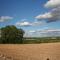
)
(11, 34)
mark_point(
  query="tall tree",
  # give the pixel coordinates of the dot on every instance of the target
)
(10, 34)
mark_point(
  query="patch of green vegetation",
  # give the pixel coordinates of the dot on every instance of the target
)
(41, 40)
(11, 35)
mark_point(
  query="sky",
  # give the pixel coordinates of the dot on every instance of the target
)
(38, 18)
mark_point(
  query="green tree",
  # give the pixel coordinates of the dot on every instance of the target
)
(10, 34)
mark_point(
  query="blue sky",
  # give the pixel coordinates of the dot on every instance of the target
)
(23, 13)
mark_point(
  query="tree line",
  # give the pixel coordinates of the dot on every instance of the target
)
(11, 35)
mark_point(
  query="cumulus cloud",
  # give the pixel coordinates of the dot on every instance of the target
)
(26, 23)
(53, 3)
(44, 16)
(54, 14)
(5, 18)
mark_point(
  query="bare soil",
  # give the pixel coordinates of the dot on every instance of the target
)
(46, 51)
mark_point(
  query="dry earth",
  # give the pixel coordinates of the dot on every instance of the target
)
(30, 51)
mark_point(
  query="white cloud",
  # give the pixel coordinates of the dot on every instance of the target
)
(29, 33)
(52, 3)
(32, 31)
(44, 16)
(26, 23)
(5, 18)
(54, 14)
(49, 30)
(38, 23)
(53, 32)
(43, 33)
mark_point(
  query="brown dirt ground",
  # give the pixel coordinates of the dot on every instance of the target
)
(31, 51)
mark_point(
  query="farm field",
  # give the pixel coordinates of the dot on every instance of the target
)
(42, 51)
